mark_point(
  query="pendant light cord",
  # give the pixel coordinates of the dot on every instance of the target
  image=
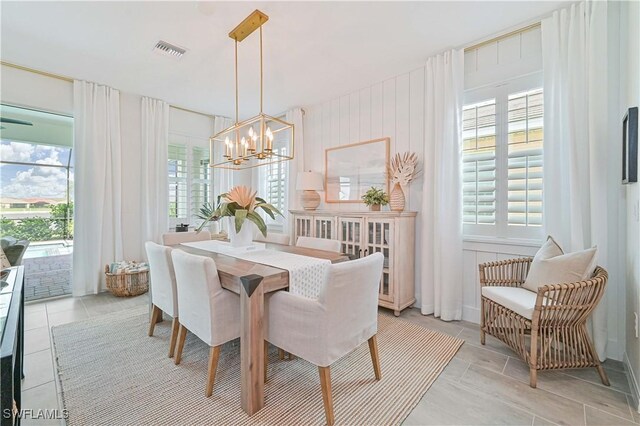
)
(236, 65)
(260, 68)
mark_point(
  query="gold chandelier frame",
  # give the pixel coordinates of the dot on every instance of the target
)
(256, 147)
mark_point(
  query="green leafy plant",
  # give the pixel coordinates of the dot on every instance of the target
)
(242, 204)
(375, 196)
(207, 213)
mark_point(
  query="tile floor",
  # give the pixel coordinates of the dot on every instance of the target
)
(481, 385)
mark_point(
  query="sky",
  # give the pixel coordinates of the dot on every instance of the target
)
(33, 180)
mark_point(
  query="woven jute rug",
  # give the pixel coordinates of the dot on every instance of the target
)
(112, 373)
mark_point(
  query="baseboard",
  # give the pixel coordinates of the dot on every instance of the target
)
(471, 314)
(633, 383)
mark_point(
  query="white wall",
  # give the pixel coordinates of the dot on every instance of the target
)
(30, 90)
(629, 97)
(26, 89)
(394, 108)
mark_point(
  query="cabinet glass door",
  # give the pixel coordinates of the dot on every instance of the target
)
(325, 227)
(380, 240)
(303, 227)
(350, 235)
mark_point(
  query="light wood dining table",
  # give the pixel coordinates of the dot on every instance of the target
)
(251, 281)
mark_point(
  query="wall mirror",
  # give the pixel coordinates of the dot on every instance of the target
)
(350, 170)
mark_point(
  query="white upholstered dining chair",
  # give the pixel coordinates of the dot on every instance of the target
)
(318, 243)
(173, 238)
(206, 309)
(164, 296)
(272, 237)
(324, 330)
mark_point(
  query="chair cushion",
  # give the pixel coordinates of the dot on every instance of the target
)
(4, 261)
(519, 300)
(551, 266)
(7, 241)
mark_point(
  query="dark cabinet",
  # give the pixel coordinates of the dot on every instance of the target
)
(11, 344)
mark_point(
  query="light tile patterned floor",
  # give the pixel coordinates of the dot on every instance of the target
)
(481, 385)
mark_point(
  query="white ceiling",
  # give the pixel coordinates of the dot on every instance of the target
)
(314, 51)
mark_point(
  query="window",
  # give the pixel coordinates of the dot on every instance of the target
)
(189, 178)
(479, 163)
(525, 159)
(36, 178)
(502, 160)
(178, 181)
(275, 182)
(200, 180)
(273, 187)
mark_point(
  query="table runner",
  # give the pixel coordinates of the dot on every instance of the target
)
(307, 274)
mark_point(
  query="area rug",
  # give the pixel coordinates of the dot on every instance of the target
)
(112, 373)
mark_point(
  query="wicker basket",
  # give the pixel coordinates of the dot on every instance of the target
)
(127, 284)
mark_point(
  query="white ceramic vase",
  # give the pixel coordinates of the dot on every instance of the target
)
(244, 237)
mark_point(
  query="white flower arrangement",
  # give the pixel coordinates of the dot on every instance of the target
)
(403, 168)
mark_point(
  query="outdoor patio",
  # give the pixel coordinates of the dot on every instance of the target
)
(48, 276)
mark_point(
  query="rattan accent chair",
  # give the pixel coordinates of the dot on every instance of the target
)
(555, 337)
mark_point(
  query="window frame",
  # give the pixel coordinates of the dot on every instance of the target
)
(189, 142)
(501, 230)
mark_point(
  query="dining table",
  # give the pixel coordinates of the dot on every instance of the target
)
(251, 281)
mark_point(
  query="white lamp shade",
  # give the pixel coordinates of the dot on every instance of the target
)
(309, 181)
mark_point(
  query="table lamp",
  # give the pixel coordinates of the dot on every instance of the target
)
(310, 182)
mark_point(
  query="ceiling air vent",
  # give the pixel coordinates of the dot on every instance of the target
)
(167, 49)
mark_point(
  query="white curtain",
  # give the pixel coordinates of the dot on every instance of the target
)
(153, 170)
(295, 117)
(441, 212)
(97, 185)
(574, 51)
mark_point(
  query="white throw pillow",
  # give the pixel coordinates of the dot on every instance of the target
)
(551, 266)
(3, 260)
(549, 249)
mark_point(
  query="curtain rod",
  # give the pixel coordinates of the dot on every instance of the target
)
(70, 80)
(503, 36)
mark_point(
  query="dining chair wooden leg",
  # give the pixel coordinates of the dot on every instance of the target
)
(327, 399)
(214, 355)
(280, 353)
(375, 359)
(156, 314)
(182, 334)
(266, 359)
(175, 325)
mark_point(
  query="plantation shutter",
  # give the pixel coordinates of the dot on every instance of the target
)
(276, 180)
(200, 181)
(479, 163)
(525, 141)
(177, 169)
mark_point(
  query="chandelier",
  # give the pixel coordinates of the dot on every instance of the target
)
(259, 140)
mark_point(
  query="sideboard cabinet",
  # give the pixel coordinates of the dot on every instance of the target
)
(364, 233)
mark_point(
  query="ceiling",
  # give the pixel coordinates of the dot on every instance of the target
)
(314, 51)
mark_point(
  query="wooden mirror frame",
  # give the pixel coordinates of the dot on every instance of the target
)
(386, 188)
